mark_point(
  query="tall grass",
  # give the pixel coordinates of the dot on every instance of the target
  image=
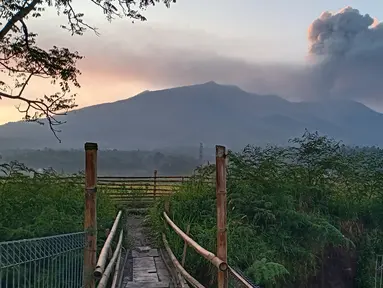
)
(292, 213)
(41, 204)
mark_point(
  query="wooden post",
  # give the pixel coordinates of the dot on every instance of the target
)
(185, 247)
(220, 158)
(155, 184)
(90, 221)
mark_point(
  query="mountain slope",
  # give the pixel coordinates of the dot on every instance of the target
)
(208, 113)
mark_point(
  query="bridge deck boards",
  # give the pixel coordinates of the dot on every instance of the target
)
(144, 266)
(148, 270)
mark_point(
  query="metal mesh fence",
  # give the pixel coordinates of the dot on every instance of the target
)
(55, 261)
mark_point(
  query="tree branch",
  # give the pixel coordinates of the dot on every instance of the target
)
(21, 58)
(17, 17)
(48, 110)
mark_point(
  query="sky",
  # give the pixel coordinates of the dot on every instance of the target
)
(261, 46)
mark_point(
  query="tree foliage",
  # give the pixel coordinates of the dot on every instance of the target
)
(22, 60)
(297, 215)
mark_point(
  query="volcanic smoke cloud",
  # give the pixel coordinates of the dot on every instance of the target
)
(345, 61)
(348, 50)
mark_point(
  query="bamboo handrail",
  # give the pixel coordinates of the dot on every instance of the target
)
(239, 278)
(100, 266)
(177, 264)
(105, 276)
(116, 271)
(185, 247)
(173, 275)
(221, 265)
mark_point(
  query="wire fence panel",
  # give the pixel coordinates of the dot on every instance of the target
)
(52, 262)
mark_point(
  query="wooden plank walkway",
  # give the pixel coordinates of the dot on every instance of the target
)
(147, 269)
(144, 266)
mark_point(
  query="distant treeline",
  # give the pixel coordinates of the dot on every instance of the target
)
(110, 162)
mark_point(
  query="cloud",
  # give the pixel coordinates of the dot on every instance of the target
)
(344, 60)
(348, 49)
(167, 67)
(162, 57)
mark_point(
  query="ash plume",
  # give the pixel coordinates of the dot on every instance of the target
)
(347, 48)
(345, 61)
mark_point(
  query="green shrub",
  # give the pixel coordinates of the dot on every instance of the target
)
(286, 208)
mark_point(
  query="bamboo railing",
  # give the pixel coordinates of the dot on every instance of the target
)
(112, 265)
(104, 269)
(220, 264)
(124, 190)
(145, 189)
(179, 267)
(220, 260)
(239, 279)
(211, 257)
(198, 248)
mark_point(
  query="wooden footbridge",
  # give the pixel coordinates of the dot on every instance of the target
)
(143, 264)
(128, 257)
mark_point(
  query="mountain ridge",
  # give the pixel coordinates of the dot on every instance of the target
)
(209, 112)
